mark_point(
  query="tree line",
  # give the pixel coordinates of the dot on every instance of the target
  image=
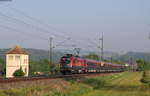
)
(45, 67)
(34, 66)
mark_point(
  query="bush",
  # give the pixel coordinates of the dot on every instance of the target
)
(142, 65)
(96, 84)
(19, 73)
(146, 77)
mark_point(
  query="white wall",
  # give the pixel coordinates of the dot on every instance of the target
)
(14, 62)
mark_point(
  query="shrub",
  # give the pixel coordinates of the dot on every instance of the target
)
(146, 77)
(19, 73)
(96, 84)
(142, 65)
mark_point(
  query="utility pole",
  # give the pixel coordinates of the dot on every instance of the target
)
(102, 47)
(111, 59)
(51, 50)
(131, 63)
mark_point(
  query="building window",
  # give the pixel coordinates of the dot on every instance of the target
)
(25, 61)
(17, 57)
(10, 57)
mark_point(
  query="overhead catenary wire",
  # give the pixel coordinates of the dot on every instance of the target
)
(60, 43)
(20, 32)
(28, 34)
(93, 43)
(40, 29)
(27, 24)
(33, 19)
(30, 25)
(38, 21)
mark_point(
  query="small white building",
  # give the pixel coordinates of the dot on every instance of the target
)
(17, 58)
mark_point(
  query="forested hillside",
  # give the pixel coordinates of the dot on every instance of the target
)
(39, 58)
(134, 55)
(37, 54)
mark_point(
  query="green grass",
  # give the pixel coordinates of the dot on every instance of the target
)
(122, 84)
(95, 83)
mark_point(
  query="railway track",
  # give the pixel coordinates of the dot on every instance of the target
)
(19, 79)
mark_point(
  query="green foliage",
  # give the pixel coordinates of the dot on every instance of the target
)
(37, 54)
(95, 83)
(120, 84)
(55, 68)
(39, 66)
(142, 65)
(114, 61)
(42, 66)
(2, 66)
(146, 77)
(19, 73)
(92, 56)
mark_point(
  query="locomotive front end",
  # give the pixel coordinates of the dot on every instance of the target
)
(65, 64)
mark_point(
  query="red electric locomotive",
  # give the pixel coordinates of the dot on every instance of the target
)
(73, 64)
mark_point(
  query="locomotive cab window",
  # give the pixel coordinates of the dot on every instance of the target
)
(65, 60)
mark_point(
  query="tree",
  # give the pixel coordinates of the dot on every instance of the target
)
(142, 65)
(145, 67)
(114, 61)
(146, 77)
(92, 56)
(2, 66)
(19, 73)
(42, 66)
(39, 66)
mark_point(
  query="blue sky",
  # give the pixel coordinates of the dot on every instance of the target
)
(125, 24)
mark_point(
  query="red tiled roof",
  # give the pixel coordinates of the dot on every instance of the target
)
(17, 50)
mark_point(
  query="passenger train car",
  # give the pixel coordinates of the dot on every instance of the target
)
(73, 64)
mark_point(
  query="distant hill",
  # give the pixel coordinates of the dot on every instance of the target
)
(38, 54)
(134, 55)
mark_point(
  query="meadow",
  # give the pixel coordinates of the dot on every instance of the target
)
(120, 84)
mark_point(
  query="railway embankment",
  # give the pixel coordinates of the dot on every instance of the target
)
(120, 84)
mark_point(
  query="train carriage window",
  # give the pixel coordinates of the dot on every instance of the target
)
(91, 64)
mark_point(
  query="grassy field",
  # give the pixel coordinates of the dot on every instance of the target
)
(122, 84)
